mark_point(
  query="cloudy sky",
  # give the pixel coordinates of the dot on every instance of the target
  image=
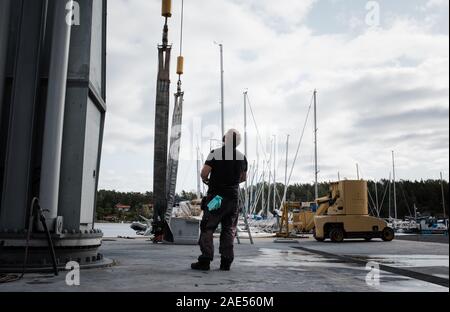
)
(382, 81)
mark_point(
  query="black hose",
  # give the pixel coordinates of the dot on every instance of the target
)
(29, 230)
(9, 278)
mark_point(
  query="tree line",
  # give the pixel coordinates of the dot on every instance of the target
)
(423, 197)
(138, 202)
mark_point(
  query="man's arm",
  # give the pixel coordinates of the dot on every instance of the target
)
(206, 171)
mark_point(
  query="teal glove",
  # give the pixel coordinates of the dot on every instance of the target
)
(215, 203)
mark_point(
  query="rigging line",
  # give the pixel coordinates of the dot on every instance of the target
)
(181, 31)
(406, 201)
(256, 126)
(298, 148)
(384, 197)
(371, 210)
(258, 190)
(260, 178)
(261, 182)
(373, 203)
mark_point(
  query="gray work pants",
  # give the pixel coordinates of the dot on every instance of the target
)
(227, 216)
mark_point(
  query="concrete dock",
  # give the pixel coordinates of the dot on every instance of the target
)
(302, 265)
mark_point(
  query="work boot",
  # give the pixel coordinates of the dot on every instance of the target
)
(225, 264)
(201, 265)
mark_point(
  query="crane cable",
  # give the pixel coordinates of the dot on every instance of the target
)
(256, 127)
(180, 62)
(181, 30)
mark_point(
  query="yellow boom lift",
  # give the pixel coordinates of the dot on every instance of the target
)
(344, 213)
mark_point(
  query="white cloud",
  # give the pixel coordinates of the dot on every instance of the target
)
(280, 15)
(437, 4)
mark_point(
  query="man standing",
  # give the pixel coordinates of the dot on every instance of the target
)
(223, 171)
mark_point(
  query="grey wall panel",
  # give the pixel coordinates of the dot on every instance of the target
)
(80, 45)
(96, 46)
(17, 176)
(72, 156)
(91, 151)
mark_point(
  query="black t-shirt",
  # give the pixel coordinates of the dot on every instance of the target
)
(227, 166)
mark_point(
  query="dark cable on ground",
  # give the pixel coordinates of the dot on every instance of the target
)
(9, 278)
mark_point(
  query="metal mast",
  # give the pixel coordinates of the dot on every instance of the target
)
(395, 192)
(286, 170)
(246, 148)
(162, 125)
(263, 203)
(376, 199)
(274, 171)
(316, 186)
(245, 130)
(269, 168)
(390, 185)
(443, 196)
(198, 174)
(257, 176)
(247, 194)
(222, 91)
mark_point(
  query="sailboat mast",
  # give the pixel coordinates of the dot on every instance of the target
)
(286, 169)
(443, 196)
(263, 203)
(198, 174)
(274, 171)
(257, 176)
(269, 177)
(316, 187)
(245, 150)
(390, 186)
(395, 192)
(376, 199)
(222, 96)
